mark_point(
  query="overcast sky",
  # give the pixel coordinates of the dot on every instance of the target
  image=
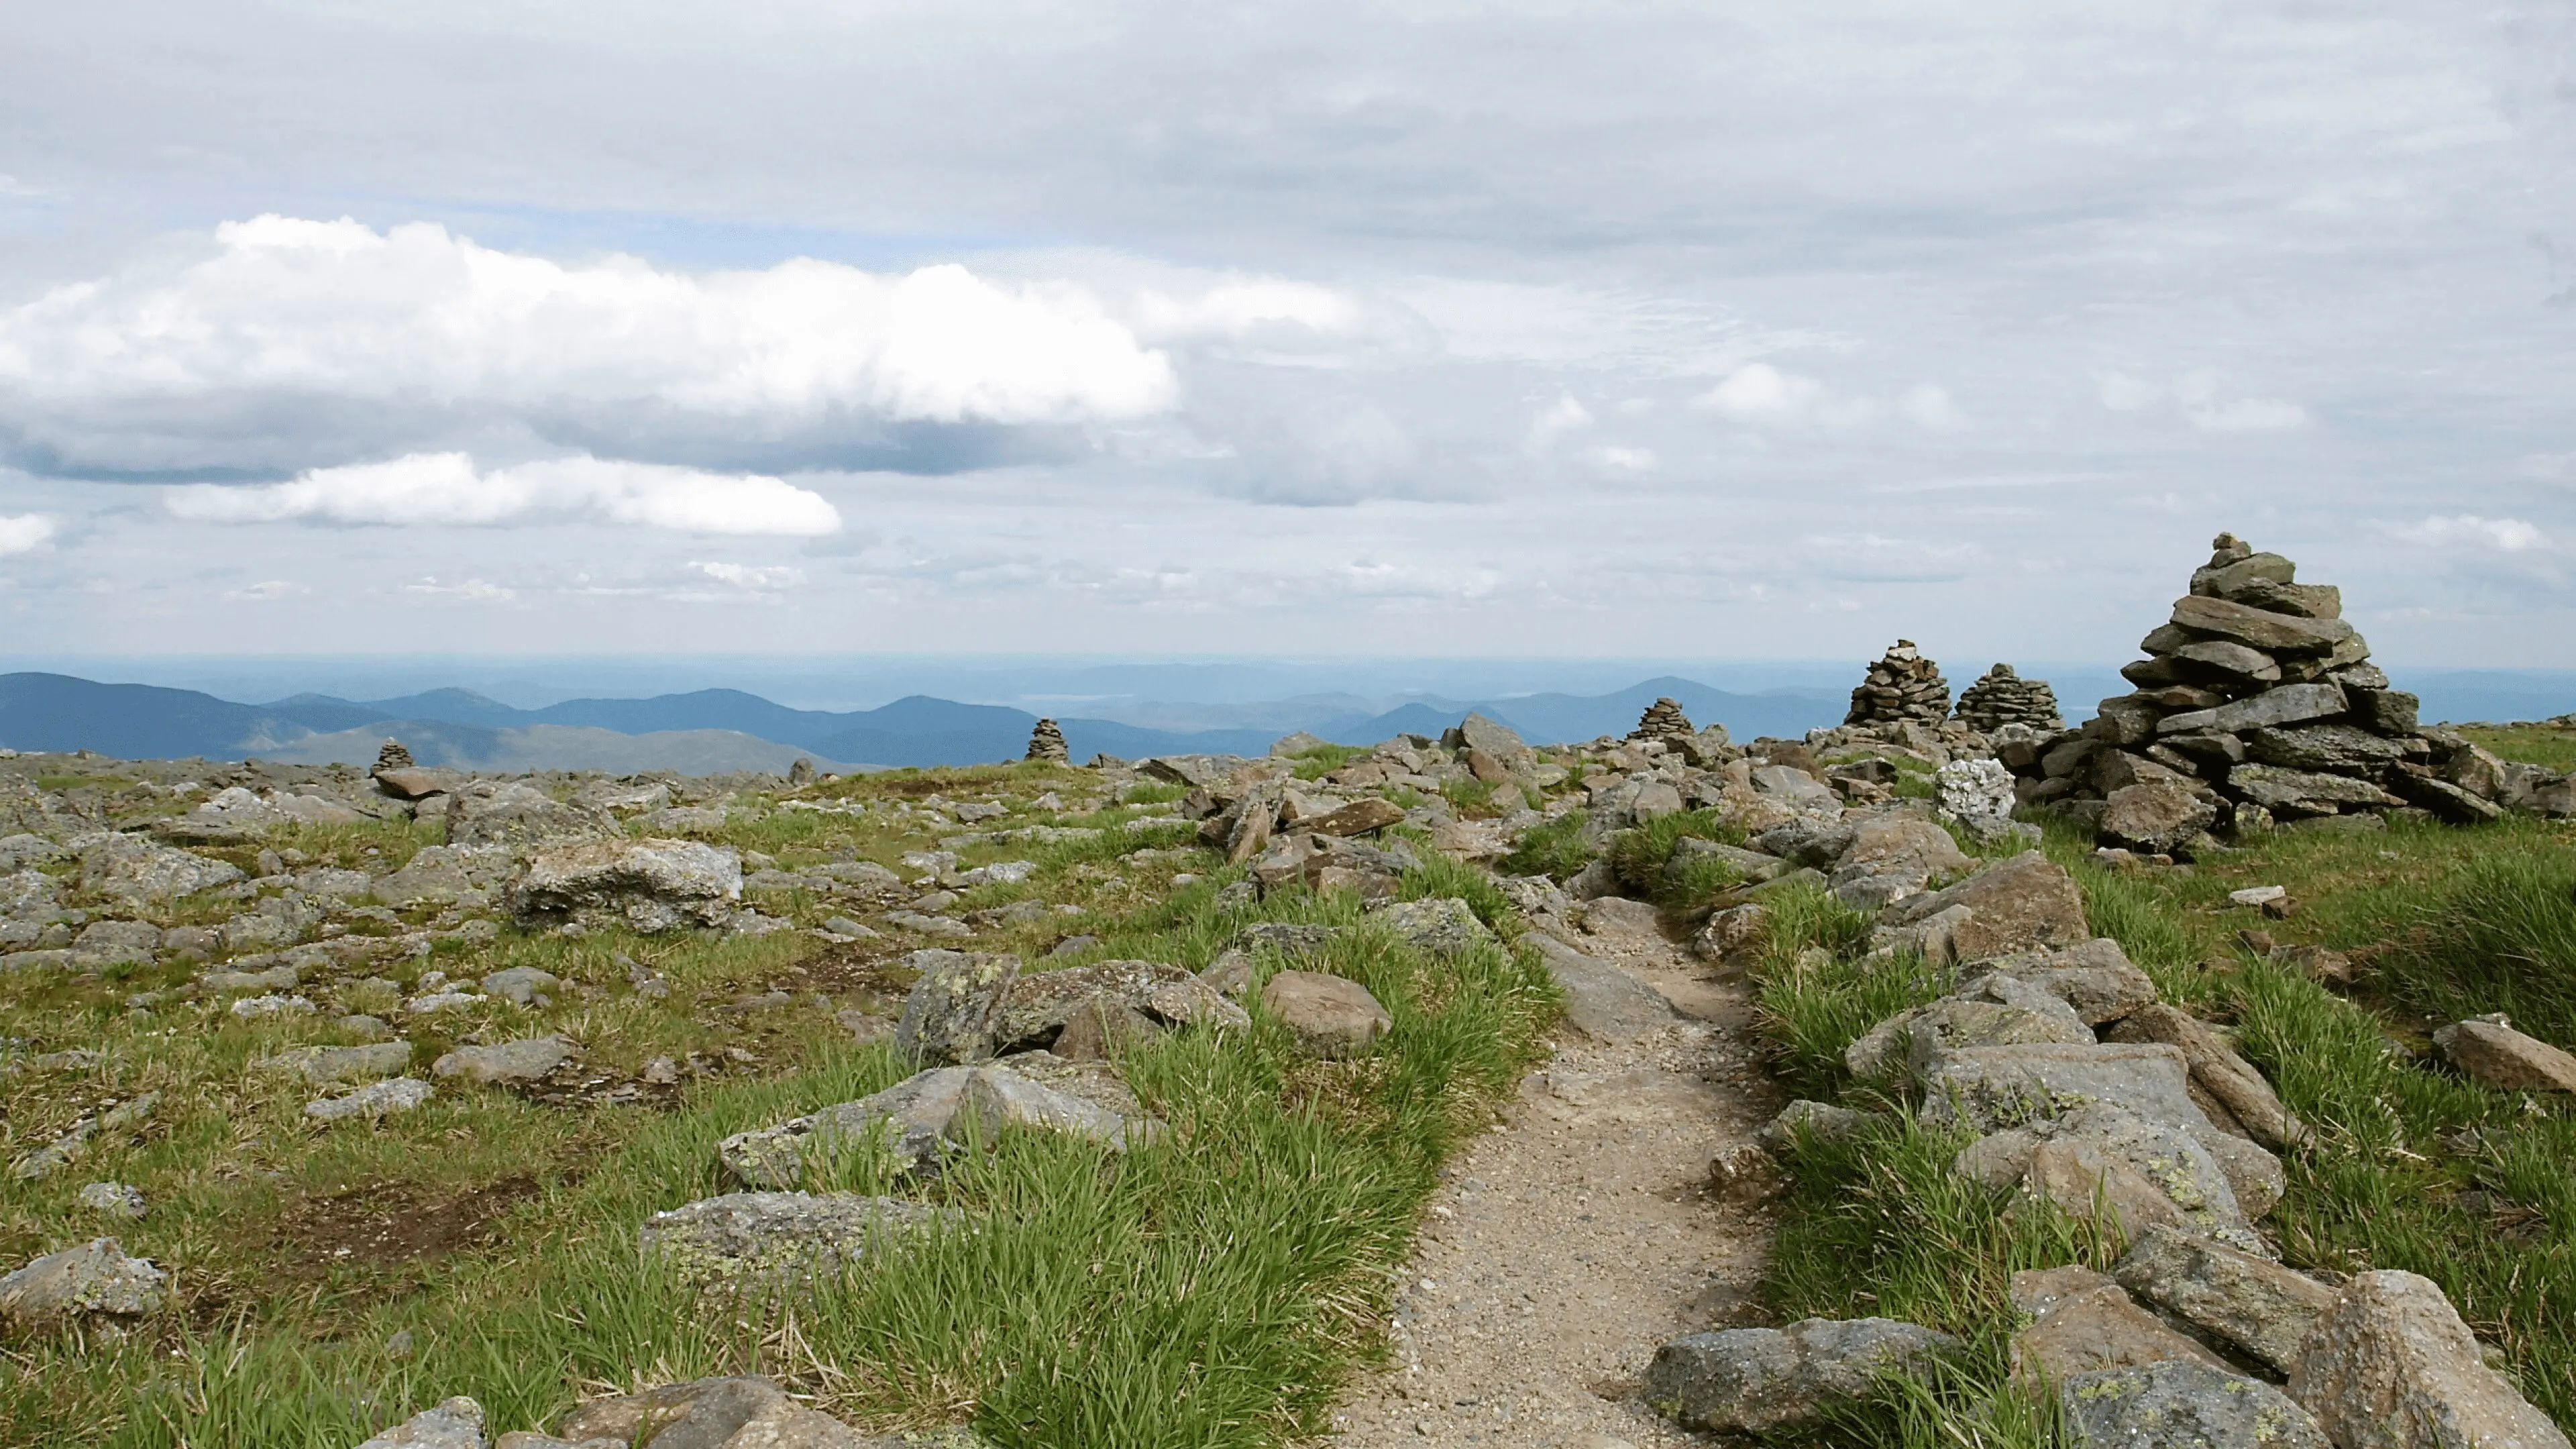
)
(1707, 330)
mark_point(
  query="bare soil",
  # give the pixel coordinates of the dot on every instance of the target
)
(1582, 1234)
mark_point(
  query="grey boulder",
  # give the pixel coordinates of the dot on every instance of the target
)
(2182, 1404)
(1331, 1016)
(96, 1277)
(1745, 1380)
(642, 885)
(2390, 1365)
(504, 1063)
(455, 1424)
(744, 1237)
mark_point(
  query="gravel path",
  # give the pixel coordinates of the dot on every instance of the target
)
(1573, 1240)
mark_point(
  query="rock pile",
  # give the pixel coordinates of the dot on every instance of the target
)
(1902, 685)
(2002, 697)
(2257, 704)
(1663, 720)
(394, 757)
(1046, 743)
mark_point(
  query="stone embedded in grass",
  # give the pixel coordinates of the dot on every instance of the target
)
(2082, 1323)
(1821, 1121)
(1746, 1380)
(525, 985)
(948, 1017)
(2240, 1095)
(322, 1065)
(740, 1238)
(113, 1199)
(2488, 1051)
(2095, 978)
(139, 871)
(376, 1099)
(2390, 1365)
(96, 1277)
(917, 1121)
(506, 1063)
(1443, 927)
(2025, 902)
(271, 1005)
(1331, 1016)
(455, 1424)
(2183, 1404)
(1600, 999)
(1037, 1006)
(2157, 817)
(728, 1413)
(649, 886)
(1618, 916)
(2251, 1303)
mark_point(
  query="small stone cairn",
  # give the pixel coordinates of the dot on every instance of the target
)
(1902, 686)
(2257, 704)
(1046, 743)
(1663, 720)
(2002, 697)
(393, 757)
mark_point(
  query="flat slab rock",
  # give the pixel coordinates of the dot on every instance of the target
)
(921, 1119)
(2390, 1365)
(1748, 1379)
(96, 1277)
(1331, 1016)
(1600, 999)
(2491, 1053)
(723, 1413)
(502, 1063)
(2183, 1404)
(746, 1236)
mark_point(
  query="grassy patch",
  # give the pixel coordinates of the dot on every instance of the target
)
(1214, 1289)
(2552, 746)
(1640, 856)
(1555, 849)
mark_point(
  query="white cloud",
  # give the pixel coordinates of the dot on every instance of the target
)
(1930, 406)
(471, 590)
(2202, 402)
(2122, 393)
(2550, 467)
(267, 589)
(24, 532)
(1632, 460)
(1558, 418)
(418, 318)
(446, 488)
(753, 577)
(2506, 535)
(1757, 392)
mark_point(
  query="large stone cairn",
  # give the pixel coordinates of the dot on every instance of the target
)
(1663, 720)
(2002, 697)
(2256, 704)
(393, 757)
(1901, 686)
(1046, 743)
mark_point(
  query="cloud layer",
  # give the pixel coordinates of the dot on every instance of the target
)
(446, 488)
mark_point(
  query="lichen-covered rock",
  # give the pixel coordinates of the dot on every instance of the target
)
(455, 1424)
(743, 1237)
(1038, 1006)
(2389, 1365)
(2082, 1323)
(2251, 1303)
(949, 1015)
(376, 1099)
(139, 871)
(509, 812)
(2156, 817)
(96, 1277)
(2228, 1079)
(1442, 927)
(641, 885)
(914, 1124)
(1745, 1380)
(505, 1063)
(323, 1065)
(1331, 1016)
(727, 1413)
(2018, 904)
(2182, 1404)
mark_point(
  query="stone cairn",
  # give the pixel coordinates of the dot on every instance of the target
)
(2256, 704)
(393, 757)
(1046, 743)
(1901, 686)
(1663, 720)
(2001, 697)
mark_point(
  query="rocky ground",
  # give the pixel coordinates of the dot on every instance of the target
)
(460, 1107)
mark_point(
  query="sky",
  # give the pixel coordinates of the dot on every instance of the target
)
(1740, 331)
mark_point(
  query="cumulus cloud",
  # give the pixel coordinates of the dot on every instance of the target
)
(447, 488)
(429, 327)
(753, 577)
(24, 532)
(2505, 535)
(1759, 393)
(2206, 401)
(1931, 407)
(1558, 418)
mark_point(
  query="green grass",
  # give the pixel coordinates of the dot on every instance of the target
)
(2412, 1167)
(1639, 856)
(2552, 746)
(1555, 849)
(1216, 1289)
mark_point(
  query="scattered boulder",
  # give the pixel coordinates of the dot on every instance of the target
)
(948, 1017)
(1331, 1016)
(96, 1277)
(138, 871)
(508, 1063)
(2082, 1323)
(455, 1424)
(1746, 1380)
(742, 1238)
(526, 985)
(2252, 1304)
(1446, 926)
(323, 1065)
(2182, 1404)
(510, 812)
(1036, 1008)
(2157, 817)
(2016, 904)
(648, 886)
(921, 1119)
(2389, 1365)
(376, 1099)
(2488, 1051)
(1600, 999)
(1619, 916)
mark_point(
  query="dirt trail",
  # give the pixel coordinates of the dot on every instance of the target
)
(1573, 1240)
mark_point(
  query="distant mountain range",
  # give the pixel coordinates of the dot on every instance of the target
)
(714, 730)
(710, 731)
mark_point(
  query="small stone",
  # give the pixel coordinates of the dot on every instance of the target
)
(376, 1099)
(505, 1063)
(1746, 1380)
(113, 1199)
(1330, 1016)
(455, 1424)
(525, 985)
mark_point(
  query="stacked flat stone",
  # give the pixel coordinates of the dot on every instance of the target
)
(1046, 743)
(2001, 697)
(393, 757)
(1901, 686)
(1663, 720)
(2257, 703)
